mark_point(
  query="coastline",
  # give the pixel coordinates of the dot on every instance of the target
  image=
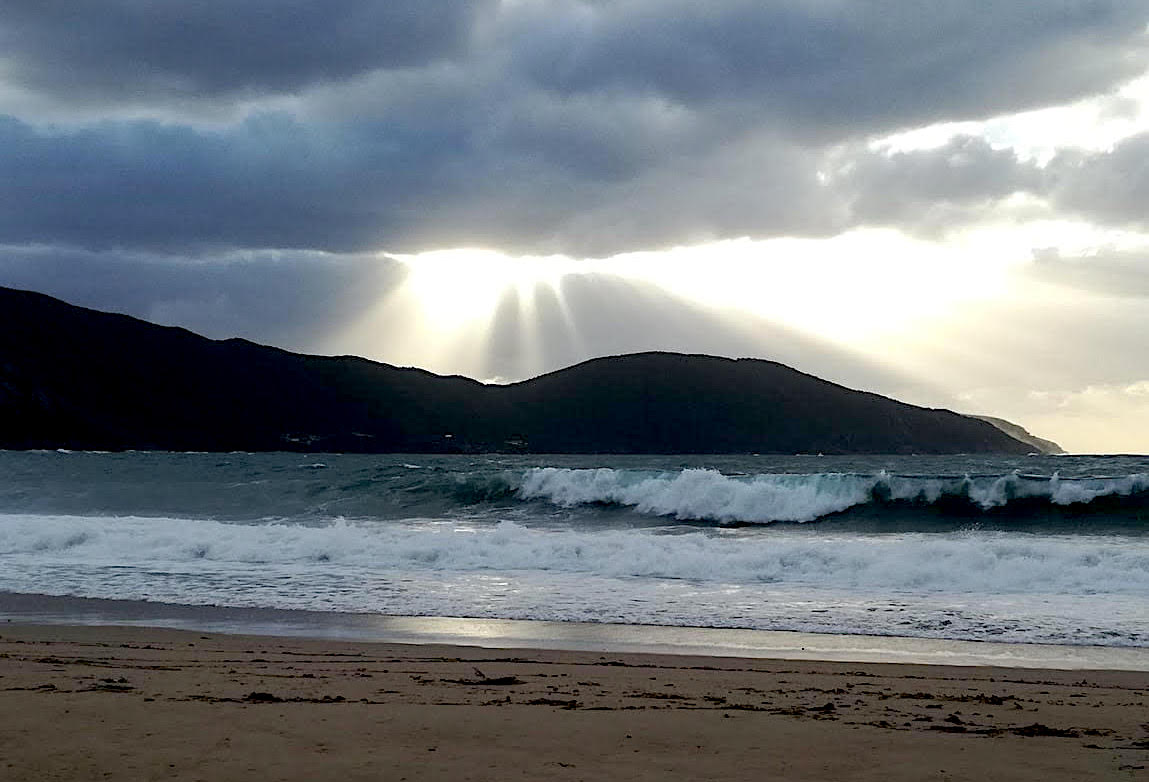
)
(85, 701)
(565, 636)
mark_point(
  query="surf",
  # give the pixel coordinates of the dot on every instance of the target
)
(705, 494)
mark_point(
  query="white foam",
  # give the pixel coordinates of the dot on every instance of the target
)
(702, 494)
(710, 495)
(966, 562)
(973, 585)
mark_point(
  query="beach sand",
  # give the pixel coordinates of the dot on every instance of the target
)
(89, 703)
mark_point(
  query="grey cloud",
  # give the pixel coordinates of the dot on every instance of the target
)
(289, 299)
(1111, 186)
(577, 127)
(275, 182)
(836, 68)
(963, 180)
(756, 187)
(931, 189)
(124, 50)
(271, 182)
(831, 67)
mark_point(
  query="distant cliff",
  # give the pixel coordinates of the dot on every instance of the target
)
(1036, 444)
(76, 378)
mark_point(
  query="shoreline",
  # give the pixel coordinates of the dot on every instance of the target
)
(17, 608)
(90, 701)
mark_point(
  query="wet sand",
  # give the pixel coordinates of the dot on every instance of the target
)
(105, 702)
(568, 636)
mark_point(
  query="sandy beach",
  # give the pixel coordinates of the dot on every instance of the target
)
(86, 702)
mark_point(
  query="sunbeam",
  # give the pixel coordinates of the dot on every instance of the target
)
(459, 290)
(934, 323)
(856, 289)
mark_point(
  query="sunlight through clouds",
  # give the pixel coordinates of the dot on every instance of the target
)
(459, 290)
(965, 314)
(854, 288)
(863, 290)
(1095, 124)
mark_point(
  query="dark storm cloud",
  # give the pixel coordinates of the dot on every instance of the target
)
(290, 299)
(126, 50)
(275, 182)
(267, 183)
(587, 128)
(838, 67)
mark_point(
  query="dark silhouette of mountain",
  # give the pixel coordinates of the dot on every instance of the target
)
(77, 378)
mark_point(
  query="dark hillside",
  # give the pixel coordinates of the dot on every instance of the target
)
(673, 403)
(81, 379)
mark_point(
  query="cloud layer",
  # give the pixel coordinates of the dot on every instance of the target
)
(542, 126)
(124, 51)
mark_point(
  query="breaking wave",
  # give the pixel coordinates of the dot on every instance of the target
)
(756, 499)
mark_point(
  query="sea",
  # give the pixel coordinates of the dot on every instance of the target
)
(1037, 549)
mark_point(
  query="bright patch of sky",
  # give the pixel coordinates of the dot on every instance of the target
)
(1093, 124)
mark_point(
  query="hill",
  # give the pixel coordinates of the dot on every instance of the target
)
(76, 378)
(1037, 444)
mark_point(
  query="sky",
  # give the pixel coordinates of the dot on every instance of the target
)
(940, 201)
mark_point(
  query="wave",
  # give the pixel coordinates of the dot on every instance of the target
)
(967, 562)
(909, 493)
(703, 494)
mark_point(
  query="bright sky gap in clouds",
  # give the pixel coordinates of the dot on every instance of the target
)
(943, 202)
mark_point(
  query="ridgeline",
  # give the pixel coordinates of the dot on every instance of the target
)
(80, 379)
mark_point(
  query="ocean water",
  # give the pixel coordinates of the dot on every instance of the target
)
(1029, 549)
